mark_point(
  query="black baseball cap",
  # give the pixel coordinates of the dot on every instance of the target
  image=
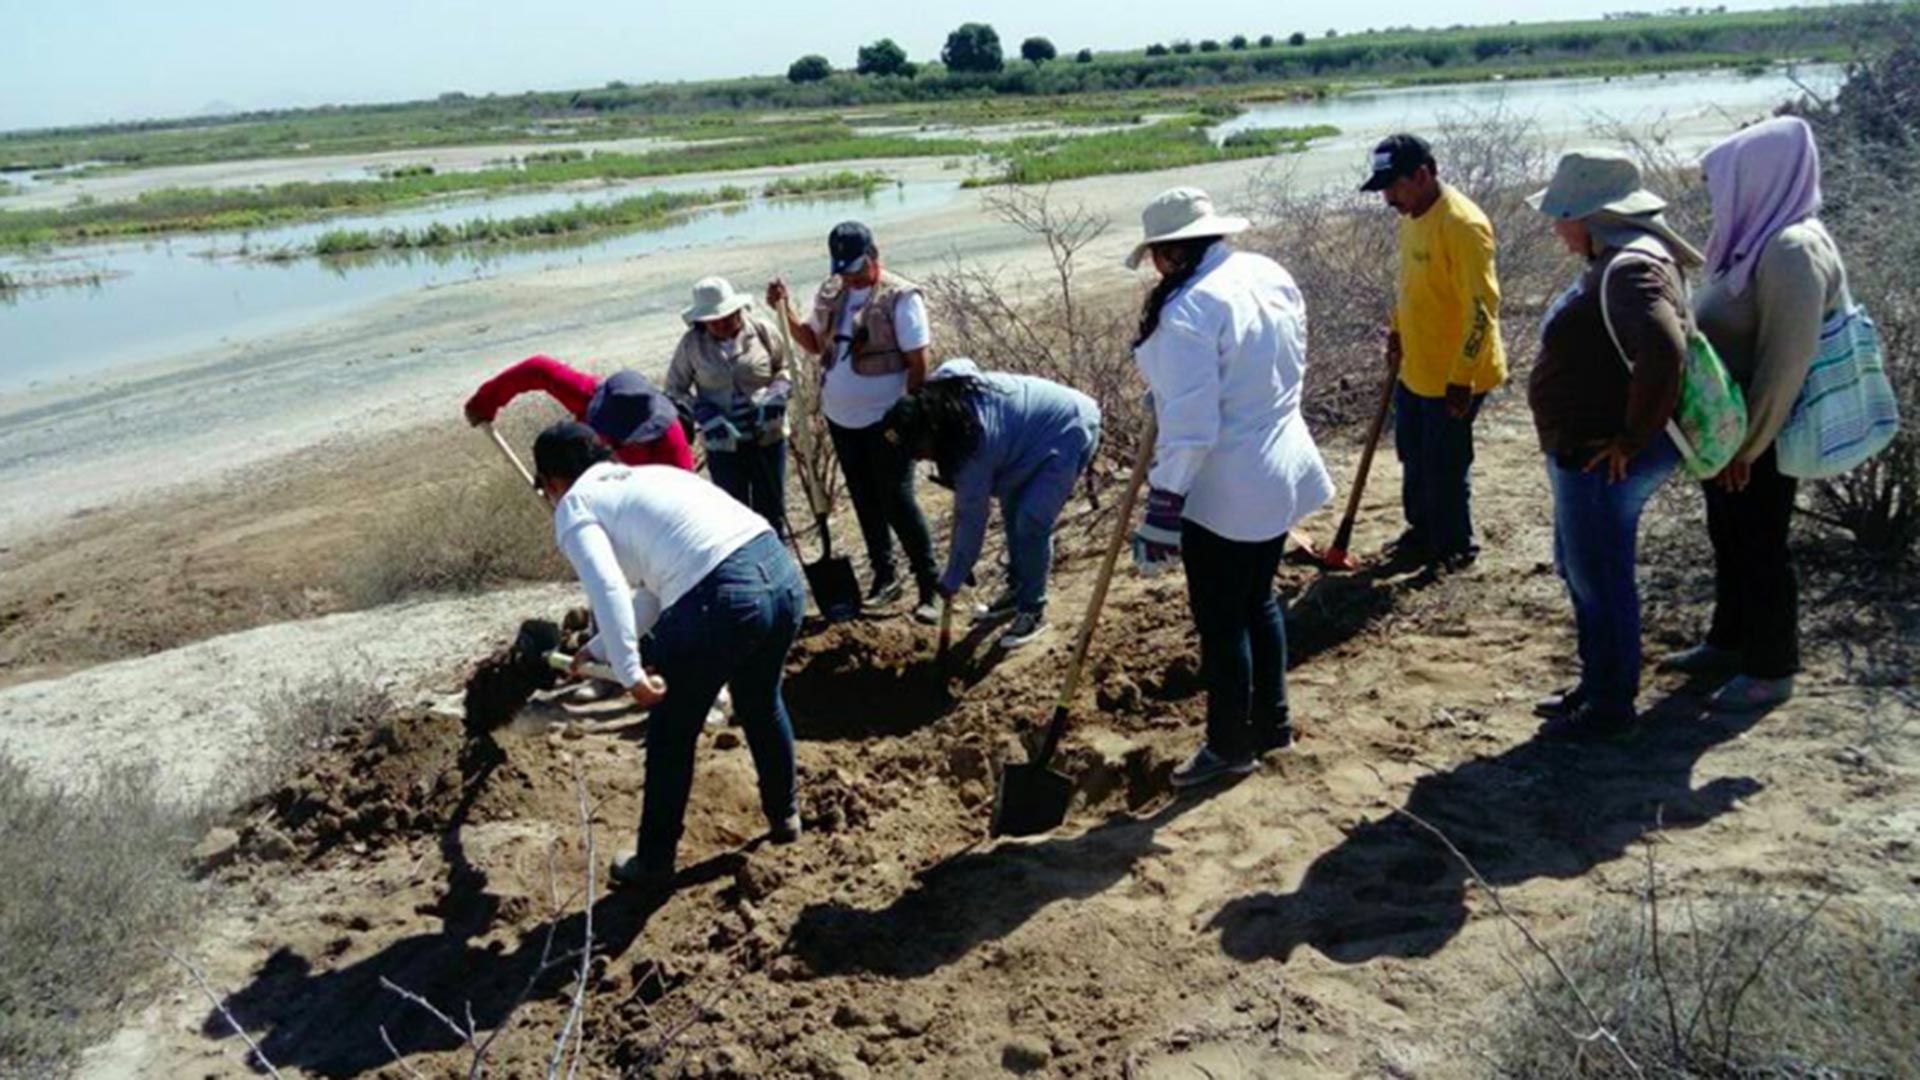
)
(849, 243)
(567, 449)
(1395, 157)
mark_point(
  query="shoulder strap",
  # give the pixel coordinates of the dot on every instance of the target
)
(1633, 250)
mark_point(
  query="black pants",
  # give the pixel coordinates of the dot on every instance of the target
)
(880, 482)
(1243, 637)
(1756, 601)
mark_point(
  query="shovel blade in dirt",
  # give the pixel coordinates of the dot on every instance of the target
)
(1032, 800)
(836, 592)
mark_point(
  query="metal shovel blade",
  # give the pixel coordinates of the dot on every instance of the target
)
(1032, 799)
(835, 590)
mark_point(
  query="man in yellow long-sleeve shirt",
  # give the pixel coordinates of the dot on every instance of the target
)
(1444, 344)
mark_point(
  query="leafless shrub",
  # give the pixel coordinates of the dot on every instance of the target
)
(93, 876)
(1732, 987)
(1050, 326)
(1342, 248)
(300, 718)
(1867, 135)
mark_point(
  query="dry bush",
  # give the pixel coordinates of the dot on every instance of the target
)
(1868, 134)
(1732, 988)
(301, 718)
(1050, 326)
(93, 877)
(477, 528)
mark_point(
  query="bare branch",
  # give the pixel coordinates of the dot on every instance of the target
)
(253, 1048)
(1601, 1031)
(586, 948)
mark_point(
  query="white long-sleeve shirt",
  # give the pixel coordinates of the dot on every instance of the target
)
(1226, 366)
(640, 538)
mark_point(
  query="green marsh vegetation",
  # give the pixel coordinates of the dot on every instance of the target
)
(1167, 144)
(640, 211)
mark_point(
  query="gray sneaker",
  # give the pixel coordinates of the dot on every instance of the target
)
(1702, 659)
(1746, 694)
(1205, 766)
(1003, 606)
(1026, 626)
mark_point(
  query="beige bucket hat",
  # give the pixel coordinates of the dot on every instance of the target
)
(1588, 182)
(1182, 213)
(713, 298)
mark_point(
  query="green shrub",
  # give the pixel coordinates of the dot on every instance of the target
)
(883, 57)
(1037, 50)
(973, 48)
(807, 69)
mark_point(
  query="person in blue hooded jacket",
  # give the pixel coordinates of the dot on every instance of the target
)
(1021, 439)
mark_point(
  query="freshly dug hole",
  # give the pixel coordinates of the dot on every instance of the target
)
(862, 680)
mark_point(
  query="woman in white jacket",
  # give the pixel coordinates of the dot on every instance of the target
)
(1222, 344)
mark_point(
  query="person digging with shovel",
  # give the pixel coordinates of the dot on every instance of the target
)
(1223, 346)
(634, 419)
(1022, 439)
(661, 551)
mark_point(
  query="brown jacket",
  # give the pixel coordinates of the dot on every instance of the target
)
(876, 343)
(1581, 391)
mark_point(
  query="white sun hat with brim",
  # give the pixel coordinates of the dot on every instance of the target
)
(714, 298)
(1589, 182)
(1182, 213)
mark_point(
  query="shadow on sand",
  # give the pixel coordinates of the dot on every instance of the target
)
(1541, 809)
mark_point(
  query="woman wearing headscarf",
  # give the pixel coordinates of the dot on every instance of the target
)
(1774, 275)
(730, 370)
(1612, 348)
(1223, 346)
(1022, 439)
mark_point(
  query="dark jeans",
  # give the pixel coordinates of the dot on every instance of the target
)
(1596, 533)
(1243, 637)
(756, 476)
(1436, 460)
(733, 630)
(1756, 602)
(880, 483)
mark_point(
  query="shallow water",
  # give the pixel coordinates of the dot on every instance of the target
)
(169, 296)
(1554, 105)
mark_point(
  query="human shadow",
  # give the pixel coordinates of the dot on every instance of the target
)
(1541, 809)
(330, 1023)
(977, 896)
(1334, 608)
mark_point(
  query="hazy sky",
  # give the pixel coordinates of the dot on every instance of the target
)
(85, 61)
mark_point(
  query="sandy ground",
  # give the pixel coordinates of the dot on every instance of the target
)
(1291, 925)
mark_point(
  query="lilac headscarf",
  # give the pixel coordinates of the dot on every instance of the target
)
(1761, 180)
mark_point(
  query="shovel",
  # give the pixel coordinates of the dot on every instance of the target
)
(1335, 557)
(1033, 798)
(836, 592)
(513, 459)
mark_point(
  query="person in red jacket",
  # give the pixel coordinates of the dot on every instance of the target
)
(634, 419)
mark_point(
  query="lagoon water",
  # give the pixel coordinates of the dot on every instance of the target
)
(161, 298)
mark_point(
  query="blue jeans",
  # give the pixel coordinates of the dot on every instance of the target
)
(1243, 637)
(1436, 462)
(756, 476)
(734, 630)
(1029, 515)
(1596, 529)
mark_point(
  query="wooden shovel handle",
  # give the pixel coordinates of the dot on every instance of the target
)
(1122, 527)
(514, 460)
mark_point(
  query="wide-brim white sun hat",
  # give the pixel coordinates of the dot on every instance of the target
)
(1182, 213)
(713, 298)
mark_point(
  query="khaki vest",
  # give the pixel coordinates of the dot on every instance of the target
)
(876, 341)
(700, 369)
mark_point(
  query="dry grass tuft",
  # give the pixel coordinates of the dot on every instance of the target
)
(93, 878)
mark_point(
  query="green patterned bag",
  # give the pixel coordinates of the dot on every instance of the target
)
(1710, 422)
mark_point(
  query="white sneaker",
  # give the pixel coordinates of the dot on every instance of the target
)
(1003, 606)
(1027, 625)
